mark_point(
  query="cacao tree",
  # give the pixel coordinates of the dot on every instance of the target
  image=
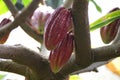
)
(65, 32)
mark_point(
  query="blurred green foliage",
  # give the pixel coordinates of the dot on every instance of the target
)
(4, 9)
(54, 3)
(2, 76)
(75, 77)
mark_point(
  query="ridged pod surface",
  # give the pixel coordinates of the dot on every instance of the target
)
(56, 27)
(4, 36)
(109, 32)
(61, 54)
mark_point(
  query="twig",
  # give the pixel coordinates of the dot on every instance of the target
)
(12, 8)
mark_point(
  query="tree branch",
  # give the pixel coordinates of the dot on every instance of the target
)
(20, 18)
(25, 26)
(12, 8)
(10, 66)
(106, 53)
(82, 33)
(29, 58)
(101, 56)
(92, 67)
(21, 55)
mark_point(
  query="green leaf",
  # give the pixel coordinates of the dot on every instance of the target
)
(3, 7)
(96, 5)
(105, 20)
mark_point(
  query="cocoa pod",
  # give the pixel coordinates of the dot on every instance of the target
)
(4, 36)
(61, 54)
(56, 27)
(109, 31)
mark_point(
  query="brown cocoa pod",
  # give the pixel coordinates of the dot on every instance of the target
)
(61, 54)
(109, 31)
(4, 36)
(56, 27)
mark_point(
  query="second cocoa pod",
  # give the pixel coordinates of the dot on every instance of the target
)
(109, 32)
